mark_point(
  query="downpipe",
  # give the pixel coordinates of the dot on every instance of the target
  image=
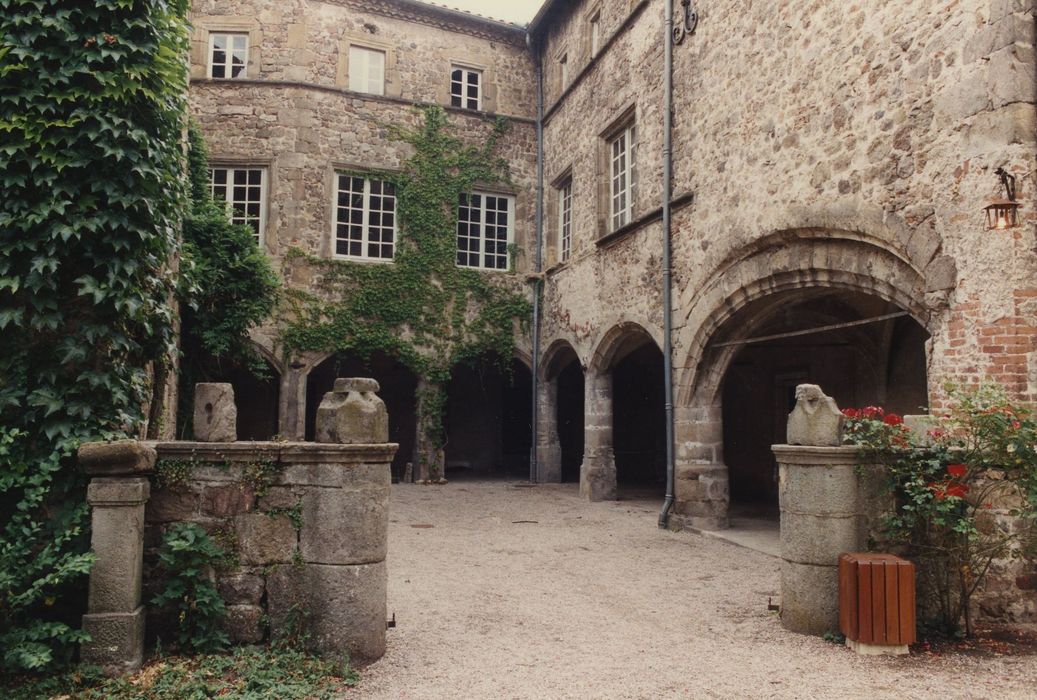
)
(664, 514)
(538, 257)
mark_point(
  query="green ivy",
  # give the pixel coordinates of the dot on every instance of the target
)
(92, 104)
(423, 310)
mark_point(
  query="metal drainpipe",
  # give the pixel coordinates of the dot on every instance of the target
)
(664, 514)
(538, 256)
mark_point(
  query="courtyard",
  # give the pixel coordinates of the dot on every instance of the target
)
(510, 591)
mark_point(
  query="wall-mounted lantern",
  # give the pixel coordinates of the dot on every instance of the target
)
(1003, 213)
(687, 21)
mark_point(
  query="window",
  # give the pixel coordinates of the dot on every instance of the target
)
(484, 230)
(366, 70)
(365, 218)
(621, 176)
(228, 55)
(242, 189)
(595, 33)
(465, 88)
(563, 64)
(565, 220)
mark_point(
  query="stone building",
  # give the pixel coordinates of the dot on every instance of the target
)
(831, 164)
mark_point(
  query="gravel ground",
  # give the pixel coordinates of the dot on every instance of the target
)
(592, 600)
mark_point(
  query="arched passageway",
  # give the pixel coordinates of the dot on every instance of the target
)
(560, 408)
(256, 396)
(570, 419)
(398, 386)
(639, 421)
(879, 363)
(488, 419)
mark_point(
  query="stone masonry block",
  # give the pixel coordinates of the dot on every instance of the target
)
(173, 505)
(226, 500)
(353, 414)
(264, 539)
(815, 420)
(360, 534)
(243, 624)
(215, 415)
(116, 641)
(122, 457)
(241, 589)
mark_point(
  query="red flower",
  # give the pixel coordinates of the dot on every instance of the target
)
(851, 413)
(892, 419)
(871, 412)
(1016, 425)
(957, 490)
(957, 470)
(938, 492)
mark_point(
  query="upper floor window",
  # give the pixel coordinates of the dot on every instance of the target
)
(243, 192)
(484, 230)
(366, 70)
(621, 176)
(563, 65)
(365, 218)
(466, 88)
(595, 31)
(565, 220)
(228, 55)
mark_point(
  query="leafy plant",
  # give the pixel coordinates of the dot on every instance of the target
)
(976, 465)
(92, 101)
(188, 556)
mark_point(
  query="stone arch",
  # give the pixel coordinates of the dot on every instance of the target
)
(744, 292)
(619, 338)
(555, 355)
(560, 406)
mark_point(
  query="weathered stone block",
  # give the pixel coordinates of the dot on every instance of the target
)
(816, 419)
(116, 641)
(353, 414)
(809, 598)
(361, 518)
(122, 457)
(215, 415)
(117, 537)
(264, 539)
(243, 624)
(352, 616)
(241, 589)
(226, 500)
(173, 505)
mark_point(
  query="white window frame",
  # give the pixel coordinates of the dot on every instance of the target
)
(228, 65)
(621, 149)
(595, 31)
(486, 258)
(360, 66)
(234, 213)
(464, 83)
(565, 220)
(365, 223)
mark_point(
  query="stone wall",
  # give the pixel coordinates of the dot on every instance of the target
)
(305, 527)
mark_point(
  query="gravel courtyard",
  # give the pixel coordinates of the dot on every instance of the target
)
(533, 593)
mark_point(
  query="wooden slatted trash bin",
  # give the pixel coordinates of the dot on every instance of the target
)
(877, 603)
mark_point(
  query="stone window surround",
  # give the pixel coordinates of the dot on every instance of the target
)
(487, 85)
(240, 163)
(368, 177)
(627, 117)
(369, 172)
(393, 84)
(553, 238)
(563, 72)
(594, 15)
(228, 65)
(229, 24)
(517, 212)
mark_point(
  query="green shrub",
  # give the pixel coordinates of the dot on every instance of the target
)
(188, 556)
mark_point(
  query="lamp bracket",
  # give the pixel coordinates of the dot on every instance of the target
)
(1008, 182)
(687, 21)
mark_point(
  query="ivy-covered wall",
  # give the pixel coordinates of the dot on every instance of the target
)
(92, 106)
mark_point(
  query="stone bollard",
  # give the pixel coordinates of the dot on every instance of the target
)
(353, 414)
(826, 509)
(116, 494)
(215, 415)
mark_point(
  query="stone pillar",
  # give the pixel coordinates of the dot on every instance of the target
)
(430, 460)
(828, 505)
(549, 449)
(598, 472)
(292, 409)
(116, 494)
(701, 479)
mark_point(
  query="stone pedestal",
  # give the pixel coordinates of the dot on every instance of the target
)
(353, 414)
(215, 414)
(116, 494)
(828, 506)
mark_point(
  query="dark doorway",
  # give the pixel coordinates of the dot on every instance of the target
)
(639, 420)
(256, 396)
(879, 364)
(488, 419)
(570, 419)
(398, 387)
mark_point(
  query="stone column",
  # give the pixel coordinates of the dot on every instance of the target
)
(549, 449)
(828, 505)
(430, 460)
(116, 494)
(292, 409)
(701, 479)
(598, 472)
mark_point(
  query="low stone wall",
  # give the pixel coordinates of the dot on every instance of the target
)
(305, 525)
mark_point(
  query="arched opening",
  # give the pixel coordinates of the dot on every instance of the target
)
(398, 387)
(564, 370)
(876, 363)
(256, 396)
(639, 422)
(488, 419)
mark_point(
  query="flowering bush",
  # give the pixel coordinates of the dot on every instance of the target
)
(950, 484)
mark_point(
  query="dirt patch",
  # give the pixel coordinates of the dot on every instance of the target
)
(595, 601)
